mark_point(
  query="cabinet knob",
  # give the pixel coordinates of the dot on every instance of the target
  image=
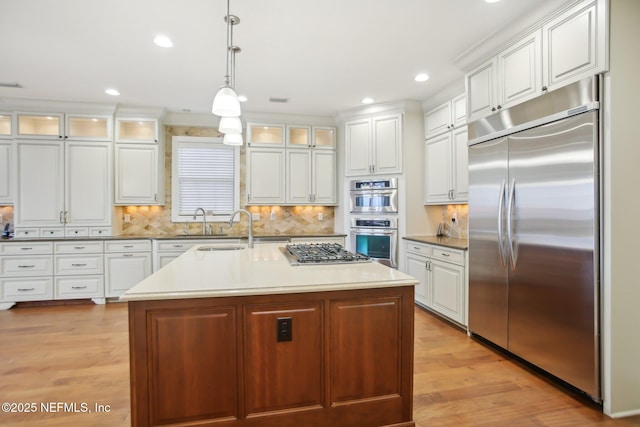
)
(493, 109)
(499, 107)
(544, 88)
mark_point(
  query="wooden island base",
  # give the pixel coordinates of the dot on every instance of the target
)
(219, 361)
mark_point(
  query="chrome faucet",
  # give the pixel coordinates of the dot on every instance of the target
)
(204, 220)
(233, 214)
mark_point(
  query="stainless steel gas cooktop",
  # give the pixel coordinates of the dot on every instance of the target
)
(321, 253)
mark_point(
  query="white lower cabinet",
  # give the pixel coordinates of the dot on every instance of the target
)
(26, 272)
(127, 263)
(166, 251)
(442, 276)
(79, 270)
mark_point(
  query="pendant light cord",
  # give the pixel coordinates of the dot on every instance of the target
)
(229, 26)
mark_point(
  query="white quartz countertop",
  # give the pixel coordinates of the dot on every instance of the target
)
(261, 270)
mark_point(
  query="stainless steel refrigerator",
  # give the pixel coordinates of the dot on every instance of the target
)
(534, 232)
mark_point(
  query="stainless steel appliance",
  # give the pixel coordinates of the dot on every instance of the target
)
(376, 238)
(534, 233)
(374, 196)
(320, 253)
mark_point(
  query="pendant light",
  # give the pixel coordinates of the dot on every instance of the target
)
(232, 139)
(226, 103)
(230, 125)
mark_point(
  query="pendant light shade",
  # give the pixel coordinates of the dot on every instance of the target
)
(230, 125)
(232, 139)
(226, 103)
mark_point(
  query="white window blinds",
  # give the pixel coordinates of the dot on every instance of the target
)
(205, 176)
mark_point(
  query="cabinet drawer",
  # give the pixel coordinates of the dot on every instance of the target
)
(177, 245)
(28, 289)
(25, 248)
(79, 264)
(79, 287)
(100, 231)
(128, 246)
(39, 265)
(26, 232)
(52, 232)
(78, 247)
(450, 255)
(76, 231)
(418, 248)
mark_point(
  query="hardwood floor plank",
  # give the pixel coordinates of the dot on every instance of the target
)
(79, 353)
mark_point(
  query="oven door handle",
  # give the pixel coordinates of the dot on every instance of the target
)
(374, 231)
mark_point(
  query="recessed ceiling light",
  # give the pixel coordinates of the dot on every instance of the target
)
(163, 41)
(112, 92)
(242, 98)
(367, 100)
(422, 77)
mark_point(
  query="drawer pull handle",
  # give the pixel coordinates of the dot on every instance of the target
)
(78, 265)
(443, 254)
(177, 246)
(78, 247)
(127, 254)
(25, 249)
(26, 266)
(79, 287)
(26, 289)
(127, 246)
(417, 248)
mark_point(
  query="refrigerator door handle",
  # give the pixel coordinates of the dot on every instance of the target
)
(512, 197)
(501, 251)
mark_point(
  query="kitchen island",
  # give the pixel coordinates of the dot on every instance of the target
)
(239, 337)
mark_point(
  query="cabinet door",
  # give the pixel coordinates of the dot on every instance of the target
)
(438, 120)
(575, 44)
(357, 136)
(88, 179)
(40, 126)
(6, 173)
(323, 137)
(265, 176)
(266, 135)
(481, 90)
(6, 125)
(447, 289)
(298, 136)
(519, 71)
(140, 130)
(124, 270)
(387, 144)
(40, 183)
(460, 173)
(459, 110)
(136, 174)
(299, 177)
(417, 267)
(89, 128)
(438, 169)
(324, 177)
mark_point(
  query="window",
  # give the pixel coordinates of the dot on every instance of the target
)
(205, 174)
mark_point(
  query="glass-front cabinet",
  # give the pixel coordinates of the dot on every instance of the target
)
(267, 135)
(45, 126)
(6, 125)
(139, 130)
(323, 137)
(86, 127)
(311, 136)
(298, 136)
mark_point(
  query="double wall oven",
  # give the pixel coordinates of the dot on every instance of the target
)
(374, 219)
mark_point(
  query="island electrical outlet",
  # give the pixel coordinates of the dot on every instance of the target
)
(285, 328)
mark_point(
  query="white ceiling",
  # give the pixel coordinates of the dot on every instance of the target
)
(324, 55)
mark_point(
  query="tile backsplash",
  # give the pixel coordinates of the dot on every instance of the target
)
(458, 229)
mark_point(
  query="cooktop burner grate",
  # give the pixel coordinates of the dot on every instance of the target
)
(321, 253)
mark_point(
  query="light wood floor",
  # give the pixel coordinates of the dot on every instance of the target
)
(79, 354)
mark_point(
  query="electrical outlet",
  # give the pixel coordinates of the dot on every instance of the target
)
(272, 217)
(454, 217)
(0, 218)
(284, 329)
(127, 218)
(255, 216)
(320, 216)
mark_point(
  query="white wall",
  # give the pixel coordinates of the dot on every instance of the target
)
(622, 206)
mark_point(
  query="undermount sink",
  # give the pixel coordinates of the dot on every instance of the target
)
(221, 248)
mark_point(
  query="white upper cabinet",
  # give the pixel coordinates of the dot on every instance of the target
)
(445, 117)
(298, 136)
(510, 77)
(266, 135)
(77, 127)
(266, 176)
(6, 125)
(575, 44)
(374, 145)
(137, 130)
(323, 137)
(137, 174)
(6, 172)
(568, 47)
(446, 168)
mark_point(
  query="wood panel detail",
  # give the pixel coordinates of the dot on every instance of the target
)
(288, 374)
(365, 349)
(192, 361)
